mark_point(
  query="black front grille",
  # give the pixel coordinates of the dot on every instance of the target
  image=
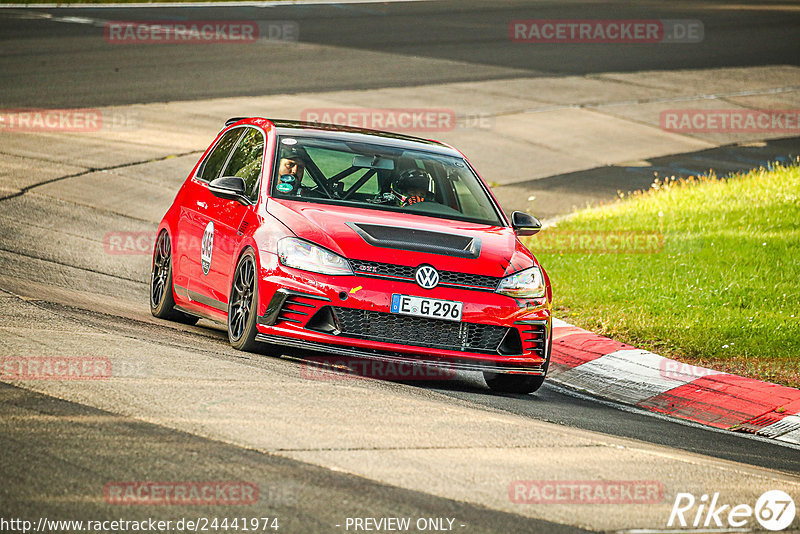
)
(418, 331)
(477, 280)
(383, 269)
(446, 278)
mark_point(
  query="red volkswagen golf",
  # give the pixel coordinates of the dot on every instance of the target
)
(357, 243)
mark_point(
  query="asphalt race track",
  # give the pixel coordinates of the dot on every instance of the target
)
(62, 64)
(185, 406)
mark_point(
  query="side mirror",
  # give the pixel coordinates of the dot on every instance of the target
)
(525, 224)
(229, 188)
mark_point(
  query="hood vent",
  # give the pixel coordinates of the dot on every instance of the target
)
(416, 240)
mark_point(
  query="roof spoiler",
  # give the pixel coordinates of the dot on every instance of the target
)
(234, 119)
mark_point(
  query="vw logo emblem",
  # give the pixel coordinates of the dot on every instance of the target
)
(427, 277)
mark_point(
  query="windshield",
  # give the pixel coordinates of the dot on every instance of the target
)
(380, 177)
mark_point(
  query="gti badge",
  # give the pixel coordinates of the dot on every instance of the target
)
(427, 277)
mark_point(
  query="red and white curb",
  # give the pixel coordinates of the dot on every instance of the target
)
(613, 370)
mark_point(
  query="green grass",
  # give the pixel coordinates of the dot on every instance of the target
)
(723, 292)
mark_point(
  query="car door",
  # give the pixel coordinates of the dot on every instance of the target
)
(196, 231)
(230, 217)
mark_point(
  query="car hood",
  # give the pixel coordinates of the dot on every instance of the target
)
(405, 239)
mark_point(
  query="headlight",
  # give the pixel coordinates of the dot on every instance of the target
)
(525, 284)
(300, 254)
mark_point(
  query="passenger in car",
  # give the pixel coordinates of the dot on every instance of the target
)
(290, 174)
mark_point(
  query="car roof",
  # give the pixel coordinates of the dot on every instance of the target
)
(348, 133)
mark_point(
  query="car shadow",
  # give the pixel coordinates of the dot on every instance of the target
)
(326, 367)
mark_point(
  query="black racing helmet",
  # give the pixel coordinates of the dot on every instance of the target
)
(408, 186)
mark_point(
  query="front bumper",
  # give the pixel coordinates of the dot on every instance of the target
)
(349, 316)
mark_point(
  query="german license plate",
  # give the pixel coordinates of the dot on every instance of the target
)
(426, 307)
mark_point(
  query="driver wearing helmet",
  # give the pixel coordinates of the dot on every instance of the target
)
(411, 187)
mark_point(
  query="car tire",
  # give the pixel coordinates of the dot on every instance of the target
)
(507, 383)
(242, 304)
(162, 300)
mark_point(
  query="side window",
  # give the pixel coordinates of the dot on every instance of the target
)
(219, 155)
(246, 161)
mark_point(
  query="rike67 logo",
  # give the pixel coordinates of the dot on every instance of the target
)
(774, 510)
